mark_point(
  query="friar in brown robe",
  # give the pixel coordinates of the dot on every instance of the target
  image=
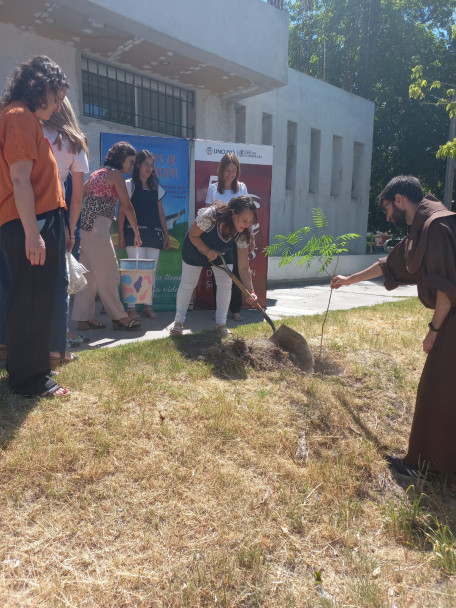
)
(425, 257)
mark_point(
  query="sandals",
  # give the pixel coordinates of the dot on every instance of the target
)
(177, 329)
(62, 359)
(55, 391)
(85, 325)
(222, 330)
(149, 313)
(126, 323)
(132, 314)
(75, 340)
(236, 316)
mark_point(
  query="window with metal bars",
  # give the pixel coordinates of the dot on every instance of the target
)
(117, 95)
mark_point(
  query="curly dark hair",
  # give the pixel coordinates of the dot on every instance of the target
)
(32, 81)
(152, 182)
(117, 154)
(224, 215)
(228, 159)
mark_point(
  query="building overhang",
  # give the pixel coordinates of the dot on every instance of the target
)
(196, 44)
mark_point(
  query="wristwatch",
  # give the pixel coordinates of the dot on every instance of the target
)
(432, 328)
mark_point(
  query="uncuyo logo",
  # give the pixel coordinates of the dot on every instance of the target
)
(241, 152)
(208, 150)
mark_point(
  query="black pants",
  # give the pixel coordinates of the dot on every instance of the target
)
(31, 306)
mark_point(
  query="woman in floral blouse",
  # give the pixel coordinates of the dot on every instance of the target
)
(103, 189)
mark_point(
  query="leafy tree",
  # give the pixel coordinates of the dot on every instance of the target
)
(369, 47)
(311, 243)
(437, 97)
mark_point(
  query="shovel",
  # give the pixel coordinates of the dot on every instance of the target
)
(285, 337)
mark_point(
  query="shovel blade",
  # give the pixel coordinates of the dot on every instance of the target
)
(291, 341)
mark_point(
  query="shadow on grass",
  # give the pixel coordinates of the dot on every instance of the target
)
(232, 357)
(368, 434)
(14, 409)
(212, 349)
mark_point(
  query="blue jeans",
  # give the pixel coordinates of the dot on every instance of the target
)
(62, 302)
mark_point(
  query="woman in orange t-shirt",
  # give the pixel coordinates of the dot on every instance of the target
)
(31, 206)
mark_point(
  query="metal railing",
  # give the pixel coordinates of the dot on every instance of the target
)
(117, 95)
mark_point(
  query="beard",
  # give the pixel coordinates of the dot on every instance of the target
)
(399, 219)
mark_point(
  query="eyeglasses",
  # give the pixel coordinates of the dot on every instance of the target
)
(385, 206)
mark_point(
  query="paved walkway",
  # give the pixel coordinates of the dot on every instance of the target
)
(283, 300)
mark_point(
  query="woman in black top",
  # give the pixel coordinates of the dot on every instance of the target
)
(216, 229)
(146, 197)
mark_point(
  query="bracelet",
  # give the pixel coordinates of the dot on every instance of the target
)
(432, 328)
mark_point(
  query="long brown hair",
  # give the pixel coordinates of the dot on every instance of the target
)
(224, 215)
(152, 181)
(228, 159)
(64, 122)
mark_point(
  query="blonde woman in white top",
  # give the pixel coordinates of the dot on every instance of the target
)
(69, 145)
(227, 187)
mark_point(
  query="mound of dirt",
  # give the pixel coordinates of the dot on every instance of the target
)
(231, 356)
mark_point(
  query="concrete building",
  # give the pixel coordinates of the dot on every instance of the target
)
(190, 69)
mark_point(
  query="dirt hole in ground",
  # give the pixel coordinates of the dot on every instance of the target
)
(231, 357)
(235, 354)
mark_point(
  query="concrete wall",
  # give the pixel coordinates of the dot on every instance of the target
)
(347, 264)
(313, 104)
(17, 45)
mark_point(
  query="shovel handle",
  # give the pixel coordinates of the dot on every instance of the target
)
(245, 291)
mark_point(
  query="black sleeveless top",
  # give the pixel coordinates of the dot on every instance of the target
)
(145, 203)
(192, 256)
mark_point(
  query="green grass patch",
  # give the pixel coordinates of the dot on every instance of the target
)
(166, 480)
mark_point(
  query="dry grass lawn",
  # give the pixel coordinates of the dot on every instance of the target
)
(176, 478)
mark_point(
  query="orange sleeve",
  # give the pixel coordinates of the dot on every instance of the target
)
(20, 136)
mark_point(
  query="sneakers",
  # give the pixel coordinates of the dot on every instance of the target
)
(222, 331)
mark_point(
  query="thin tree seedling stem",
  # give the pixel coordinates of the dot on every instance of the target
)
(327, 309)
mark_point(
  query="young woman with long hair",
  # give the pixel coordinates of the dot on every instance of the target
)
(228, 186)
(69, 145)
(146, 197)
(224, 228)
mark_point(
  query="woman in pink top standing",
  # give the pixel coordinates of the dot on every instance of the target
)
(103, 189)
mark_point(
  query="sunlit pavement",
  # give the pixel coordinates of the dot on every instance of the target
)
(283, 300)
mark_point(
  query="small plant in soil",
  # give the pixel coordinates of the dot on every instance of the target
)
(318, 245)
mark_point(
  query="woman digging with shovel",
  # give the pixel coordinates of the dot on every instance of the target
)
(214, 230)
